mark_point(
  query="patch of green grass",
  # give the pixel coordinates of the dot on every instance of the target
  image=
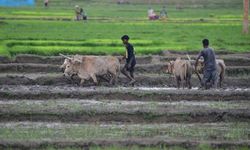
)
(183, 31)
(3, 49)
(60, 131)
(48, 38)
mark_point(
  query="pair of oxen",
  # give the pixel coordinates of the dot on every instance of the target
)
(91, 67)
(183, 70)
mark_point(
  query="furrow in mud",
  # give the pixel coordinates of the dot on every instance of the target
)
(136, 93)
(122, 111)
(153, 80)
(141, 68)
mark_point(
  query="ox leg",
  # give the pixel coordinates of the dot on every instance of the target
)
(190, 84)
(186, 83)
(178, 82)
(111, 81)
(114, 79)
(215, 79)
(116, 75)
(220, 83)
(94, 79)
(183, 84)
(221, 79)
(82, 82)
(104, 78)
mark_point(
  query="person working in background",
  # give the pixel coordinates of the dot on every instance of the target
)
(46, 3)
(152, 15)
(163, 13)
(83, 14)
(78, 13)
(128, 69)
(209, 72)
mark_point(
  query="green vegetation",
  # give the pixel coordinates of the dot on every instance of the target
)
(59, 107)
(49, 31)
(59, 131)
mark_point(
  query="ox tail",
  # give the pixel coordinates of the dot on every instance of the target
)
(188, 57)
(222, 73)
(185, 70)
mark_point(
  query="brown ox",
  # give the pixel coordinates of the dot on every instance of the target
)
(221, 69)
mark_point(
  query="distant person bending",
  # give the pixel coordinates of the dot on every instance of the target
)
(46, 3)
(209, 72)
(77, 12)
(83, 14)
(152, 15)
(163, 13)
(128, 69)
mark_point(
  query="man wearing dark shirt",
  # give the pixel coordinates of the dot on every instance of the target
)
(128, 69)
(209, 72)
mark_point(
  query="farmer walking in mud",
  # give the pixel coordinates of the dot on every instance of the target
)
(128, 69)
(209, 72)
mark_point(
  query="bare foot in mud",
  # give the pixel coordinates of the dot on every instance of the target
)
(132, 83)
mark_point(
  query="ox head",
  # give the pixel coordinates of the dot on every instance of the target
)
(169, 68)
(65, 63)
(70, 66)
(200, 66)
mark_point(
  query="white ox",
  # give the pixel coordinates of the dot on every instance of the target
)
(86, 67)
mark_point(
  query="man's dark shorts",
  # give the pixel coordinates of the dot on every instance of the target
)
(131, 67)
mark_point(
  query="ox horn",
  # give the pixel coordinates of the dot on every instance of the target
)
(65, 56)
(78, 60)
(188, 57)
